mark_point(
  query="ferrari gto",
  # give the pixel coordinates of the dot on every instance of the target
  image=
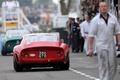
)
(11, 39)
(41, 50)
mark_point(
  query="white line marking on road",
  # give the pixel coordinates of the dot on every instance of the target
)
(83, 74)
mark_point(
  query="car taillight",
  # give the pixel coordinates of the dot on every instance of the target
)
(25, 55)
(59, 53)
(8, 45)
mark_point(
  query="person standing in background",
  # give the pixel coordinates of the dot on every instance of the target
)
(81, 38)
(68, 27)
(16, 6)
(75, 36)
(5, 7)
(85, 26)
(4, 4)
(9, 3)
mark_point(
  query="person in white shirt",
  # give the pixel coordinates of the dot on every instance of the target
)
(9, 4)
(5, 8)
(85, 26)
(4, 4)
(35, 27)
(15, 6)
(104, 26)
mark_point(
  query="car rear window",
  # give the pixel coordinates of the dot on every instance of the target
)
(15, 33)
(38, 38)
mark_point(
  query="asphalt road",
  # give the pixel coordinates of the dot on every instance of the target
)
(81, 68)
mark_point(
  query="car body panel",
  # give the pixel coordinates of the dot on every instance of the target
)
(9, 41)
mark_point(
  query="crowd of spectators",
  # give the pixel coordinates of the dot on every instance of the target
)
(10, 5)
(41, 14)
(90, 7)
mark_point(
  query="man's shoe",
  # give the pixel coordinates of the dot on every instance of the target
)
(118, 49)
(73, 51)
(95, 54)
(87, 55)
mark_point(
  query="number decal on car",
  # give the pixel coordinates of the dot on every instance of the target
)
(42, 54)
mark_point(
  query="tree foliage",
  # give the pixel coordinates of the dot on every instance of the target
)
(65, 9)
(22, 2)
(43, 1)
(1, 2)
(25, 2)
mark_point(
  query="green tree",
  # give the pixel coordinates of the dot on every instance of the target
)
(22, 2)
(65, 9)
(25, 2)
(1, 2)
(43, 2)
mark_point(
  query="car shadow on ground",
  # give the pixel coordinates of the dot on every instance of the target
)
(42, 69)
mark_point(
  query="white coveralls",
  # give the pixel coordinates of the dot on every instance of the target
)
(35, 27)
(5, 7)
(105, 45)
(85, 26)
(16, 5)
(9, 3)
(4, 4)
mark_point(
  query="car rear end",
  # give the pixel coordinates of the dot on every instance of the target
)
(10, 44)
(42, 56)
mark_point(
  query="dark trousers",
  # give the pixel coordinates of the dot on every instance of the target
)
(82, 44)
(75, 42)
(69, 41)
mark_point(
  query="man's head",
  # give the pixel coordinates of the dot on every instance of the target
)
(72, 20)
(103, 7)
(87, 18)
(78, 19)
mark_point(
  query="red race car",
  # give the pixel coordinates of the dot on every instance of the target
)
(41, 50)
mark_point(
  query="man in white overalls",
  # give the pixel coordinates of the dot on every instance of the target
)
(85, 26)
(9, 4)
(104, 26)
(15, 7)
(5, 8)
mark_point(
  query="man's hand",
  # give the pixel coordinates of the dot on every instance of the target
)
(75, 34)
(84, 37)
(90, 52)
(118, 44)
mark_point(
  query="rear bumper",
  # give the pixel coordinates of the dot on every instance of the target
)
(42, 61)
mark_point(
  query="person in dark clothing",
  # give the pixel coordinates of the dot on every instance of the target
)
(81, 38)
(116, 5)
(82, 44)
(75, 35)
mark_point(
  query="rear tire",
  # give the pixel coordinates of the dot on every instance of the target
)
(3, 53)
(66, 65)
(17, 67)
